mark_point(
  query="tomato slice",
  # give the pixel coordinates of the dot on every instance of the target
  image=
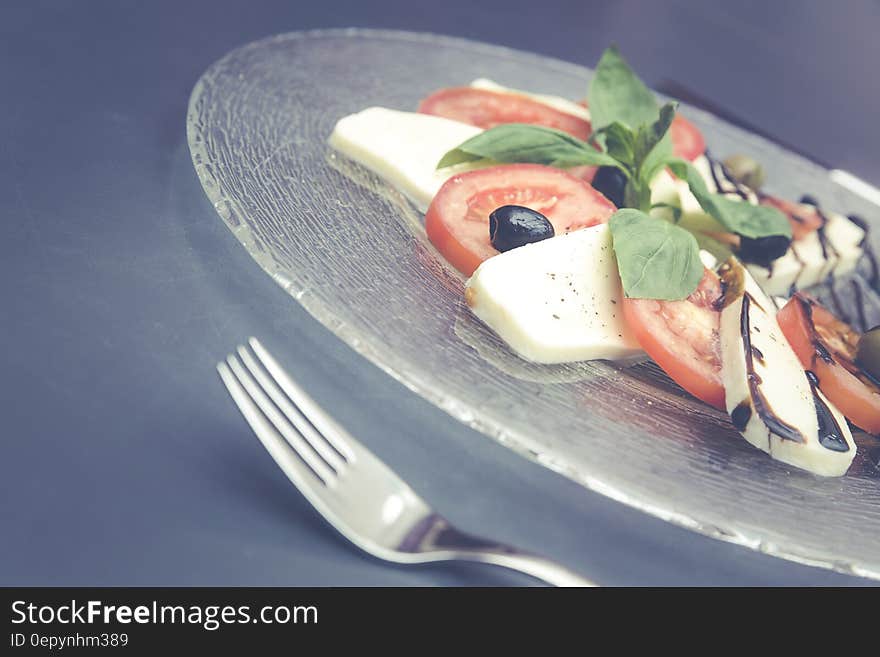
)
(827, 347)
(457, 221)
(486, 109)
(682, 337)
(804, 218)
(687, 140)
(585, 172)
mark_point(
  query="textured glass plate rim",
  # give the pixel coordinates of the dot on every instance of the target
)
(460, 410)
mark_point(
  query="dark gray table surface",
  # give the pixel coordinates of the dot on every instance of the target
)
(124, 462)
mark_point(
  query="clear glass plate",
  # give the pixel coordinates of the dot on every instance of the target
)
(353, 252)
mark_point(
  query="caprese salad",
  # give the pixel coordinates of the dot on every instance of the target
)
(603, 229)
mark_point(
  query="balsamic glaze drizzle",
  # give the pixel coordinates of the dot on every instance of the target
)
(823, 238)
(831, 435)
(738, 188)
(829, 251)
(757, 353)
(821, 351)
(726, 181)
(741, 415)
(868, 250)
(773, 422)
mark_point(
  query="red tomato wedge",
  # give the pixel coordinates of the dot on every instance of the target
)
(804, 218)
(585, 172)
(457, 221)
(827, 347)
(486, 109)
(682, 338)
(687, 140)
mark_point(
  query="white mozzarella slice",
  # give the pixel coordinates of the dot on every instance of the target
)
(708, 259)
(556, 301)
(799, 268)
(808, 262)
(768, 395)
(846, 239)
(689, 202)
(786, 273)
(702, 165)
(402, 147)
(817, 260)
(778, 303)
(665, 188)
(556, 102)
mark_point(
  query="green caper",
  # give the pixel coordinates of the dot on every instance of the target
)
(745, 170)
(868, 355)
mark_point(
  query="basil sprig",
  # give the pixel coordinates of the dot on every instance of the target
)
(744, 219)
(657, 259)
(641, 153)
(520, 142)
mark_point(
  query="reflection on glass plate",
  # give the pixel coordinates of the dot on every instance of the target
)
(354, 254)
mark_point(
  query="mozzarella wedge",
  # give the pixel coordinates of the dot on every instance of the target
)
(556, 301)
(833, 250)
(669, 190)
(664, 190)
(556, 102)
(798, 268)
(846, 239)
(402, 147)
(771, 400)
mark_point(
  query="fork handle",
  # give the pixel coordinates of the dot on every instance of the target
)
(528, 563)
(438, 536)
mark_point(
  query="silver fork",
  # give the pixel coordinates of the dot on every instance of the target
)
(356, 492)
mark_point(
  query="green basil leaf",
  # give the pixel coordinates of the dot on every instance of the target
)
(748, 220)
(456, 156)
(654, 144)
(656, 158)
(656, 259)
(519, 142)
(686, 171)
(653, 147)
(619, 142)
(738, 217)
(617, 94)
(673, 210)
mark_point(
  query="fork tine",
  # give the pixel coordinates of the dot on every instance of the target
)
(270, 415)
(302, 424)
(341, 441)
(278, 449)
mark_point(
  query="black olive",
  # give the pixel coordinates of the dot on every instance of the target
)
(511, 226)
(611, 181)
(763, 250)
(806, 199)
